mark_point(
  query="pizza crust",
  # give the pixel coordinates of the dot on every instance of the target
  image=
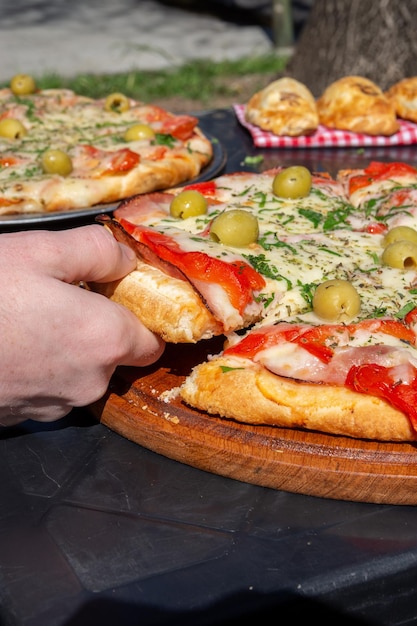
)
(285, 107)
(216, 388)
(403, 97)
(357, 104)
(168, 306)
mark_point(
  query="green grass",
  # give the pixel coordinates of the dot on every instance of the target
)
(198, 80)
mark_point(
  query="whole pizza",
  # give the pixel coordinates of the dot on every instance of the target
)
(60, 151)
(312, 280)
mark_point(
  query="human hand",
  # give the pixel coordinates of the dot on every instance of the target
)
(60, 344)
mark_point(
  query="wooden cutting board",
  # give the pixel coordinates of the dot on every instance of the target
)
(291, 460)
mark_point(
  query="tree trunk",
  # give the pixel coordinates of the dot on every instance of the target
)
(376, 39)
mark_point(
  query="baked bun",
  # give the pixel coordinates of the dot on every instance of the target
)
(357, 104)
(403, 97)
(285, 107)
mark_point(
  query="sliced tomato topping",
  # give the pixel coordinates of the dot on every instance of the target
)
(358, 182)
(107, 163)
(122, 161)
(318, 340)
(91, 151)
(157, 153)
(179, 126)
(379, 171)
(400, 197)
(9, 161)
(6, 202)
(392, 327)
(411, 317)
(376, 228)
(385, 170)
(207, 188)
(376, 380)
(238, 279)
(264, 338)
(314, 340)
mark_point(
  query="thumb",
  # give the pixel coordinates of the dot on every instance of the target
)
(88, 253)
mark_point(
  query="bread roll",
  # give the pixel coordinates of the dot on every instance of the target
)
(403, 97)
(358, 105)
(285, 107)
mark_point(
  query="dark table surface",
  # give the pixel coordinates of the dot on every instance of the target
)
(95, 529)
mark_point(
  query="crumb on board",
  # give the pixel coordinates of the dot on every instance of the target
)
(169, 394)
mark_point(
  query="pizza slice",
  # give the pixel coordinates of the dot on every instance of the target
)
(357, 380)
(189, 283)
(385, 191)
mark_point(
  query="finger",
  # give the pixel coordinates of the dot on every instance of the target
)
(142, 347)
(88, 253)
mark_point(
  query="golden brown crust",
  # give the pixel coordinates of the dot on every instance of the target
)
(357, 104)
(216, 388)
(285, 107)
(403, 97)
(168, 306)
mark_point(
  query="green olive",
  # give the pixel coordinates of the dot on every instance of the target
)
(399, 233)
(56, 162)
(401, 255)
(138, 132)
(292, 182)
(22, 85)
(12, 128)
(236, 228)
(117, 102)
(188, 203)
(336, 300)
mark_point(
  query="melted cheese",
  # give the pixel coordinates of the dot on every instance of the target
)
(68, 123)
(301, 243)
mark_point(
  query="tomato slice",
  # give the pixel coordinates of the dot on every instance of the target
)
(382, 170)
(179, 126)
(314, 340)
(9, 161)
(377, 380)
(318, 340)
(238, 278)
(392, 327)
(207, 188)
(264, 338)
(379, 171)
(122, 161)
(411, 317)
(376, 228)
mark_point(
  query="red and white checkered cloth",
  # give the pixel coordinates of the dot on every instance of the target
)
(327, 137)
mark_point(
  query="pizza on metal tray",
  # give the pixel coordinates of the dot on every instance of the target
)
(60, 151)
(311, 278)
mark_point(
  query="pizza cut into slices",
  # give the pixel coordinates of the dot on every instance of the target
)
(345, 362)
(357, 378)
(189, 286)
(60, 151)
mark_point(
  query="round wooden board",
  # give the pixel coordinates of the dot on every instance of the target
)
(297, 461)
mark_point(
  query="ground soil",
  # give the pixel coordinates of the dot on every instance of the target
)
(239, 88)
